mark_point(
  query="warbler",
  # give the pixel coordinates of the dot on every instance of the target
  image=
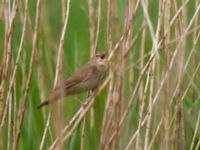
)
(84, 79)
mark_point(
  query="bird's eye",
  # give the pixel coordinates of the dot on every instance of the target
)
(102, 56)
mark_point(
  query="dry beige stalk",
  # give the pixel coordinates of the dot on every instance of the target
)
(147, 66)
(166, 89)
(60, 49)
(25, 98)
(92, 27)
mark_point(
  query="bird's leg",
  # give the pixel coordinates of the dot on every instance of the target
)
(94, 89)
(92, 109)
(78, 99)
(91, 92)
(83, 104)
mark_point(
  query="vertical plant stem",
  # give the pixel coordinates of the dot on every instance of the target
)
(92, 27)
(7, 52)
(98, 26)
(25, 98)
(83, 133)
(16, 63)
(108, 108)
(60, 49)
(9, 124)
(166, 88)
(195, 133)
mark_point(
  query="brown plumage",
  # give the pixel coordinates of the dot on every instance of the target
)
(84, 79)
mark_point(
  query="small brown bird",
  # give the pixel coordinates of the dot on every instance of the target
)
(84, 79)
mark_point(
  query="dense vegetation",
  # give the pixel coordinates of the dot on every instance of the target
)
(149, 99)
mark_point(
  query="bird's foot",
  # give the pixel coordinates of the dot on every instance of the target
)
(83, 104)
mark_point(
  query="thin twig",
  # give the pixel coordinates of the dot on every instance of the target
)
(16, 63)
(142, 75)
(25, 98)
(60, 49)
(98, 25)
(83, 133)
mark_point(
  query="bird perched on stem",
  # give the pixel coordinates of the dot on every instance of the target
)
(84, 79)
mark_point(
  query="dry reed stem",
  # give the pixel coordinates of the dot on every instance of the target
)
(7, 51)
(116, 88)
(149, 53)
(141, 93)
(118, 94)
(146, 67)
(179, 132)
(60, 49)
(58, 117)
(151, 70)
(124, 35)
(10, 120)
(45, 131)
(11, 15)
(111, 75)
(92, 44)
(133, 94)
(149, 24)
(130, 46)
(198, 145)
(151, 73)
(14, 125)
(83, 133)
(131, 57)
(61, 43)
(1, 11)
(63, 3)
(8, 38)
(195, 132)
(91, 27)
(9, 123)
(144, 94)
(196, 23)
(25, 98)
(173, 57)
(161, 121)
(40, 77)
(156, 132)
(127, 49)
(134, 40)
(166, 89)
(175, 91)
(98, 26)
(16, 64)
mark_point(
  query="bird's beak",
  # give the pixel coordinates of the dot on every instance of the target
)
(103, 55)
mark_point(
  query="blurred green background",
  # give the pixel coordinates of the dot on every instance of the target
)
(76, 53)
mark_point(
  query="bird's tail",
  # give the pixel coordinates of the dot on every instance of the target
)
(46, 102)
(52, 98)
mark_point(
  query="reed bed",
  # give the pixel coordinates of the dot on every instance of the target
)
(149, 98)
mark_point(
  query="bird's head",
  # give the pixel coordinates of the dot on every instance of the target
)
(100, 60)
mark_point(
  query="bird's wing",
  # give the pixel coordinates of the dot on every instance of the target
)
(79, 76)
